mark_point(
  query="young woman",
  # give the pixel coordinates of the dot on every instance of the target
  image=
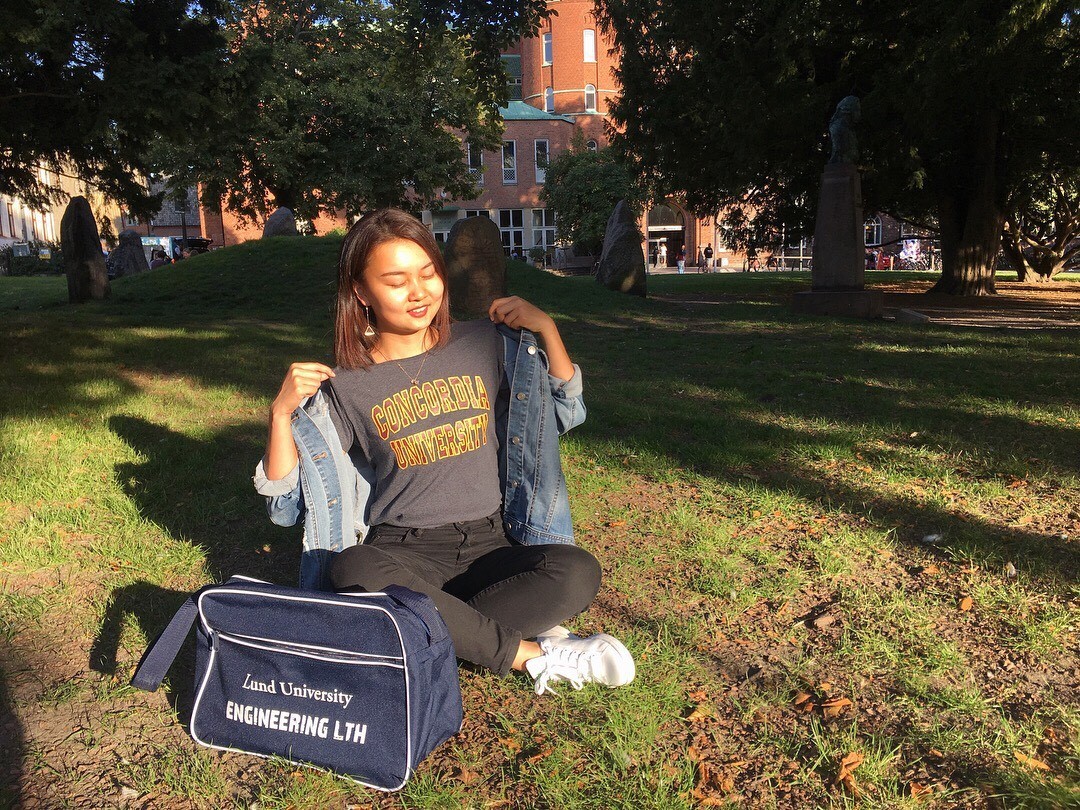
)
(457, 435)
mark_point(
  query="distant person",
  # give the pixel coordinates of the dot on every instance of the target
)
(680, 259)
(157, 258)
(708, 253)
(662, 255)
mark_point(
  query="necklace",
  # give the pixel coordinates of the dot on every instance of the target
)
(414, 379)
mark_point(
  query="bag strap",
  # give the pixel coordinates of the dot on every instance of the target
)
(423, 608)
(159, 656)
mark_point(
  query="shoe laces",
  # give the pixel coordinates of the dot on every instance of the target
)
(562, 664)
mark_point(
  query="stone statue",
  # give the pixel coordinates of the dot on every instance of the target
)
(845, 146)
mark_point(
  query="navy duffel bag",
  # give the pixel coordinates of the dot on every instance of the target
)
(364, 685)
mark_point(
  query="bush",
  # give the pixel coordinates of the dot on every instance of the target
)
(32, 265)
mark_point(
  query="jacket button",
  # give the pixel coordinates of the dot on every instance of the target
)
(521, 395)
(516, 440)
(514, 483)
(532, 350)
(509, 525)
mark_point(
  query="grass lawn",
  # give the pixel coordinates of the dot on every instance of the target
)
(844, 553)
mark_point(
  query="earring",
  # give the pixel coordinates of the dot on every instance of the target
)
(369, 332)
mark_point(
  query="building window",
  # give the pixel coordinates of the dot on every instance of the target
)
(591, 145)
(512, 65)
(442, 222)
(477, 212)
(540, 151)
(512, 229)
(547, 49)
(509, 162)
(589, 45)
(476, 163)
(11, 220)
(543, 230)
(549, 100)
(590, 98)
(872, 231)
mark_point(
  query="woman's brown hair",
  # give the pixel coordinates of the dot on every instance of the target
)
(351, 348)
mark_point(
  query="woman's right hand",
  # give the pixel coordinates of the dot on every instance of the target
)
(301, 381)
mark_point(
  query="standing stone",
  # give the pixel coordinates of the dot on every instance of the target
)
(84, 263)
(280, 223)
(839, 251)
(475, 266)
(128, 258)
(622, 262)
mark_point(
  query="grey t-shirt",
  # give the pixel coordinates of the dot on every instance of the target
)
(432, 445)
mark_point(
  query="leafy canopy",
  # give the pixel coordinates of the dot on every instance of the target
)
(351, 104)
(582, 187)
(89, 86)
(728, 103)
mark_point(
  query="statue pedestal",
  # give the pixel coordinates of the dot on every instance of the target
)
(839, 252)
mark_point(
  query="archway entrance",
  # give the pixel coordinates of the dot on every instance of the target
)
(666, 234)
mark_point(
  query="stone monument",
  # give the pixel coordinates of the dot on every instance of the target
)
(475, 266)
(128, 257)
(84, 263)
(839, 253)
(280, 223)
(622, 262)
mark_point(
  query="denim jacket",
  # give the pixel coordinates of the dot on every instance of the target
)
(332, 489)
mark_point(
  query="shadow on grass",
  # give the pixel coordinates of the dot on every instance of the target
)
(192, 489)
(12, 746)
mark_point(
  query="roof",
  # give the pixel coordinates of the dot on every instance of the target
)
(520, 111)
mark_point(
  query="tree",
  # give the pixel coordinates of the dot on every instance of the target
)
(728, 103)
(329, 105)
(88, 87)
(582, 187)
(1042, 228)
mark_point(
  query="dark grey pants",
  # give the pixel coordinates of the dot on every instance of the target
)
(491, 591)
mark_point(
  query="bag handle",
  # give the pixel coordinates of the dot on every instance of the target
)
(159, 656)
(423, 608)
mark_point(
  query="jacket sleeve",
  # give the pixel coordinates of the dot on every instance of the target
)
(568, 400)
(284, 498)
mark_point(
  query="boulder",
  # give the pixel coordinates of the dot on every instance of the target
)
(475, 266)
(84, 263)
(622, 262)
(280, 223)
(128, 258)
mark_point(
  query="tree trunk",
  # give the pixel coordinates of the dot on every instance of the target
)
(971, 216)
(1010, 246)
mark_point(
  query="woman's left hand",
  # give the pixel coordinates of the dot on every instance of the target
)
(518, 313)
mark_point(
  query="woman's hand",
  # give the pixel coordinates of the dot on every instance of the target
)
(517, 313)
(301, 381)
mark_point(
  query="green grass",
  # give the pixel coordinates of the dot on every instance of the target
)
(743, 471)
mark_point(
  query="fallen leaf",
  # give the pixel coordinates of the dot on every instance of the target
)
(821, 622)
(825, 687)
(930, 569)
(756, 513)
(542, 755)
(935, 753)
(698, 714)
(616, 523)
(1030, 762)
(802, 697)
(848, 764)
(1016, 483)
(698, 695)
(511, 744)
(918, 791)
(832, 708)
(966, 603)
(466, 776)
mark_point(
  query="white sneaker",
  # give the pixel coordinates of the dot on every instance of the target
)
(595, 659)
(556, 633)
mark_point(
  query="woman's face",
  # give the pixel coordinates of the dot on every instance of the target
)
(402, 287)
